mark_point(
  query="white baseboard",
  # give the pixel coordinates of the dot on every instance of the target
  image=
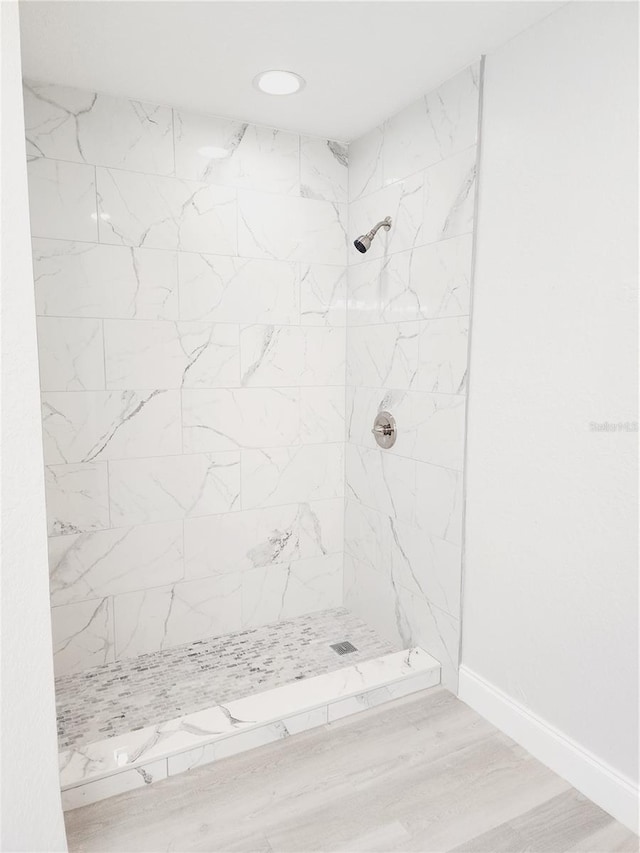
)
(602, 784)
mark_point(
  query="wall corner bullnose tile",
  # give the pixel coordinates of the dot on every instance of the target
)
(190, 278)
(408, 303)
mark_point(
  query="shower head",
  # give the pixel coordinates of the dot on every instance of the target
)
(363, 243)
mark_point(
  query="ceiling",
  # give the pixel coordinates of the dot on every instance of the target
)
(362, 60)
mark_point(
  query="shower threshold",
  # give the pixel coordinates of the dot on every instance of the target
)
(125, 725)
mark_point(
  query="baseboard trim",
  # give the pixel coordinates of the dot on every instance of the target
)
(612, 792)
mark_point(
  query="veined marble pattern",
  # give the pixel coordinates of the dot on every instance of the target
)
(62, 200)
(173, 487)
(323, 169)
(322, 414)
(93, 565)
(129, 694)
(408, 303)
(144, 354)
(273, 356)
(288, 474)
(97, 425)
(90, 280)
(238, 290)
(323, 295)
(231, 153)
(86, 127)
(77, 497)
(82, 635)
(71, 354)
(263, 537)
(400, 673)
(165, 213)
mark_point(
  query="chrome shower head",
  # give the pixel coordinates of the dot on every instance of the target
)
(363, 243)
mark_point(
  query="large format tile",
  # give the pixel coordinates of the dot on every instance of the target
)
(365, 164)
(442, 359)
(247, 417)
(432, 128)
(289, 474)
(323, 169)
(431, 428)
(167, 616)
(367, 536)
(322, 414)
(77, 497)
(295, 229)
(237, 290)
(62, 200)
(71, 354)
(449, 197)
(91, 280)
(82, 635)
(282, 356)
(264, 537)
(89, 425)
(173, 487)
(381, 481)
(384, 355)
(231, 153)
(439, 501)
(165, 213)
(274, 593)
(144, 354)
(323, 295)
(109, 562)
(86, 127)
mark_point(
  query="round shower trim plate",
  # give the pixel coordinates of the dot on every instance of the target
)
(279, 82)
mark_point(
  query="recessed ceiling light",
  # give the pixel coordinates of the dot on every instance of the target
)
(278, 82)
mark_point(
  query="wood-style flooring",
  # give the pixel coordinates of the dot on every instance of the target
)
(425, 773)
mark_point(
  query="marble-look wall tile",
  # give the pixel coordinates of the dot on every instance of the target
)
(381, 481)
(365, 164)
(440, 276)
(433, 428)
(274, 356)
(323, 169)
(322, 414)
(70, 354)
(404, 203)
(383, 355)
(173, 487)
(323, 295)
(260, 538)
(442, 359)
(370, 594)
(90, 280)
(165, 213)
(144, 354)
(367, 536)
(82, 635)
(108, 562)
(433, 128)
(293, 229)
(247, 417)
(62, 200)
(85, 127)
(77, 498)
(439, 501)
(238, 290)
(426, 566)
(97, 425)
(159, 618)
(449, 197)
(231, 153)
(292, 474)
(286, 591)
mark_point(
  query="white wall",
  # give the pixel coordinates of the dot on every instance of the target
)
(551, 591)
(31, 810)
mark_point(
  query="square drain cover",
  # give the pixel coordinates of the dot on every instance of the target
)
(343, 648)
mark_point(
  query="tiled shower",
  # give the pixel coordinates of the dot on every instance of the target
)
(213, 352)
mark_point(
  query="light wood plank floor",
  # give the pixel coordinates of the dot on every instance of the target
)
(425, 773)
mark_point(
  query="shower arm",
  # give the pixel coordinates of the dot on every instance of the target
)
(385, 223)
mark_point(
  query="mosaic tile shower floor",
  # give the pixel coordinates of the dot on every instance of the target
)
(127, 695)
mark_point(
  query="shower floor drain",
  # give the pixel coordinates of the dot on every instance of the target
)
(343, 648)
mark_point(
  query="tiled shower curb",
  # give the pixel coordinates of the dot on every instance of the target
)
(103, 769)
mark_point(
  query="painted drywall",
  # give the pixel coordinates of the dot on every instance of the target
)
(550, 608)
(31, 809)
